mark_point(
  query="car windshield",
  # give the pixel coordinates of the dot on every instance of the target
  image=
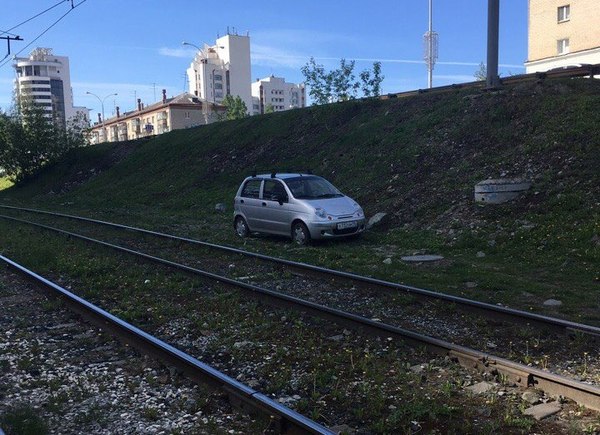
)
(311, 188)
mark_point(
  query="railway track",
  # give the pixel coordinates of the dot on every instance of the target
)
(489, 310)
(283, 420)
(559, 73)
(520, 374)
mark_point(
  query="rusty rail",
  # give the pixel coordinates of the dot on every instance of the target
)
(283, 419)
(499, 312)
(520, 374)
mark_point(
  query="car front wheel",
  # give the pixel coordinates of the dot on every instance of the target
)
(300, 234)
(241, 227)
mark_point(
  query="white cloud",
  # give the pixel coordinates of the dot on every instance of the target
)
(454, 78)
(177, 52)
(264, 55)
(302, 38)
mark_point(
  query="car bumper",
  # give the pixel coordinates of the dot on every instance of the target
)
(326, 230)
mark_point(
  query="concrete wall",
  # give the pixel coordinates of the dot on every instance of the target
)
(582, 28)
(234, 50)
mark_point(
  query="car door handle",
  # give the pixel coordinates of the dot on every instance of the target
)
(264, 204)
(241, 201)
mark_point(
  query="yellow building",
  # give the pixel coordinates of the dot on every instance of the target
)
(563, 33)
(182, 111)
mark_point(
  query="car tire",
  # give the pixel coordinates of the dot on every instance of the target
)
(241, 227)
(300, 234)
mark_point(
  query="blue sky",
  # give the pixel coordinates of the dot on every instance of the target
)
(133, 47)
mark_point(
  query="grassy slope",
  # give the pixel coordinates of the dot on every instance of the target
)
(415, 158)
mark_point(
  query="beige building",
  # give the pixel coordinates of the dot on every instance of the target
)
(182, 111)
(563, 33)
(275, 94)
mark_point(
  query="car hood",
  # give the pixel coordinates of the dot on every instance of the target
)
(341, 206)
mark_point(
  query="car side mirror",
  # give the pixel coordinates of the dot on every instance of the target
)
(279, 198)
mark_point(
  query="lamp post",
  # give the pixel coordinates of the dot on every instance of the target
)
(204, 90)
(102, 104)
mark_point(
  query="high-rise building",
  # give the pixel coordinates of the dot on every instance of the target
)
(45, 80)
(222, 69)
(274, 93)
(563, 33)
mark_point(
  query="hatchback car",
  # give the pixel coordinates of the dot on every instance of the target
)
(301, 206)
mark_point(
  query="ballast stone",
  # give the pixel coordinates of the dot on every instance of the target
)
(544, 410)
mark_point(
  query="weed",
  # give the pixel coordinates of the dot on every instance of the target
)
(150, 413)
(24, 420)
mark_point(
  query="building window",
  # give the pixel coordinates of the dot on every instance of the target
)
(564, 13)
(187, 115)
(562, 46)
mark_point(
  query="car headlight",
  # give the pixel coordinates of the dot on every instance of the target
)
(320, 212)
(359, 212)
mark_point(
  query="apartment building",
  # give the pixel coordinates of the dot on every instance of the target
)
(275, 94)
(45, 79)
(563, 33)
(183, 111)
(222, 69)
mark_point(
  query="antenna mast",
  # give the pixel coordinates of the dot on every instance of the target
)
(431, 47)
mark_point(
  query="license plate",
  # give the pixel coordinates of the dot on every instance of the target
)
(344, 225)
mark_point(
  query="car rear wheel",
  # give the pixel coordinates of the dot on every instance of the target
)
(241, 227)
(300, 234)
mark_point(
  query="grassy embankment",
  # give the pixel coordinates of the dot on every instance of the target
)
(416, 159)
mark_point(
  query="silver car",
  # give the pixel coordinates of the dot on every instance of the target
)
(302, 206)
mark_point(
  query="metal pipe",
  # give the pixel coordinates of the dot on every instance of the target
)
(430, 46)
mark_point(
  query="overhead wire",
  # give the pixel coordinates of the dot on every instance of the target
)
(73, 7)
(34, 17)
(6, 32)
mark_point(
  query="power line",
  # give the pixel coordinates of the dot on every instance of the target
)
(34, 17)
(47, 29)
(4, 32)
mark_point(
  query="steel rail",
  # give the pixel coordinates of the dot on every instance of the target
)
(522, 375)
(505, 313)
(567, 72)
(240, 395)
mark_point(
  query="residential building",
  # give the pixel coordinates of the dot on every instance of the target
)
(222, 69)
(563, 33)
(183, 111)
(45, 79)
(274, 93)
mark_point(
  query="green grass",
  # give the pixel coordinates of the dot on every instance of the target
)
(416, 159)
(23, 420)
(5, 183)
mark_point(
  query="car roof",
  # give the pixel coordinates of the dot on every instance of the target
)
(283, 175)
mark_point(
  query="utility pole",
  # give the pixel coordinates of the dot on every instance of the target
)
(493, 80)
(8, 39)
(431, 47)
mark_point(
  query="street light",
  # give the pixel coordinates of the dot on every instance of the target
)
(102, 104)
(204, 90)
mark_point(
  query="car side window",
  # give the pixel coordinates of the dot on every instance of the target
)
(272, 189)
(251, 189)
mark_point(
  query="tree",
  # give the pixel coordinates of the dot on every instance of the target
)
(236, 108)
(318, 81)
(371, 81)
(481, 73)
(340, 84)
(269, 108)
(29, 140)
